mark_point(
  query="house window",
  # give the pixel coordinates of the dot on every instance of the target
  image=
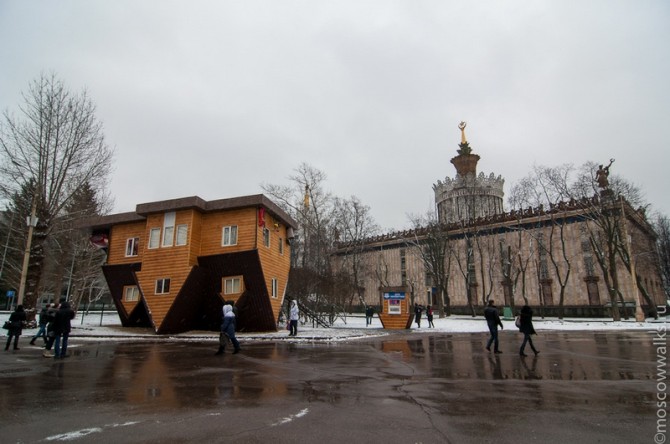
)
(132, 246)
(229, 236)
(163, 286)
(154, 237)
(182, 234)
(281, 246)
(131, 293)
(266, 237)
(232, 285)
(168, 229)
(274, 287)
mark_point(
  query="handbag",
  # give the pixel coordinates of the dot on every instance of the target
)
(7, 325)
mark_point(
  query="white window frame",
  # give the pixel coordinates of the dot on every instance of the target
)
(131, 293)
(132, 246)
(233, 285)
(275, 288)
(168, 229)
(229, 236)
(154, 238)
(182, 235)
(281, 246)
(162, 286)
(266, 237)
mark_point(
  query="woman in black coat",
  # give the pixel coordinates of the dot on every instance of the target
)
(16, 319)
(526, 327)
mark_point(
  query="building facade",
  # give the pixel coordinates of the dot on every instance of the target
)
(541, 257)
(172, 264)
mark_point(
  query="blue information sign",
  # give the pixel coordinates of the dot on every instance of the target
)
(11, 293)
(396, 295)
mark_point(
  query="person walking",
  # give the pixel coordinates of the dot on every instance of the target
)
(526, 327)
(294, 315)
(62, 328)
(429, 315)
(493, 321)
(42, 330)
(51, 334)
(369, 313)
(417, 314)
(228, 330)
(16, 321)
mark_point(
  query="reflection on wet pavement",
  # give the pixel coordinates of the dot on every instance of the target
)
(448, 375)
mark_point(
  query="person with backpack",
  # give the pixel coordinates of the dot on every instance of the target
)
(526, 327)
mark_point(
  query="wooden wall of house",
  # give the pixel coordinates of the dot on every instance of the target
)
(212, 231)
(204, 238)
(163, 262)
(275, 264)
(118, 238)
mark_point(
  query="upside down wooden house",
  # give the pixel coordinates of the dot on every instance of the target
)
(172, 264)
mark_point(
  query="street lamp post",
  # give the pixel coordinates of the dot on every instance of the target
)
(31, 221)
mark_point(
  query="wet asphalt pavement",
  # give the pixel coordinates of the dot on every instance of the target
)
(584, 387)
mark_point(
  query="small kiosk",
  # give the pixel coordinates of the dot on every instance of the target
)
(396, 313)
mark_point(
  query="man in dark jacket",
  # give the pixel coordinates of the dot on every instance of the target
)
(42, 331)
(62, 328)
(493, 321)
(51, 334)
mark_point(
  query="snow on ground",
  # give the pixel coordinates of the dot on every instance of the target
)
(95, 326)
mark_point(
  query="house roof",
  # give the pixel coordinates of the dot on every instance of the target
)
(184, 203)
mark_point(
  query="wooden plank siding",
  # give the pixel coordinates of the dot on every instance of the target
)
(396, 321)
(197, 270)
(275, 265)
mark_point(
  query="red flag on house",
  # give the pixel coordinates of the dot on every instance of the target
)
(261, 217)
(99, 241)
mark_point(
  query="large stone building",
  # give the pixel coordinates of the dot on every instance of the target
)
(554, 259)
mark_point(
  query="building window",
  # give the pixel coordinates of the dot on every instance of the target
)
(132, 246)
(266, 237)
(182, 234)
(154, 237)
(281, 246)
(163, 286)
(168, 229)
(232, 285)
(274, 288)
(131, 293)
(229, 236)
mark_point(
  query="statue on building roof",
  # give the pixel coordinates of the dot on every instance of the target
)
(602, 174)
(465, 146)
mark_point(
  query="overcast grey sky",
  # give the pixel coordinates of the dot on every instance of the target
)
(214, 98)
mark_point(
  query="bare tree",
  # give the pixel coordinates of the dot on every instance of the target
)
(354, 224)
(430, 242)
(662, 228)
(56, 145)
(566, 186)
